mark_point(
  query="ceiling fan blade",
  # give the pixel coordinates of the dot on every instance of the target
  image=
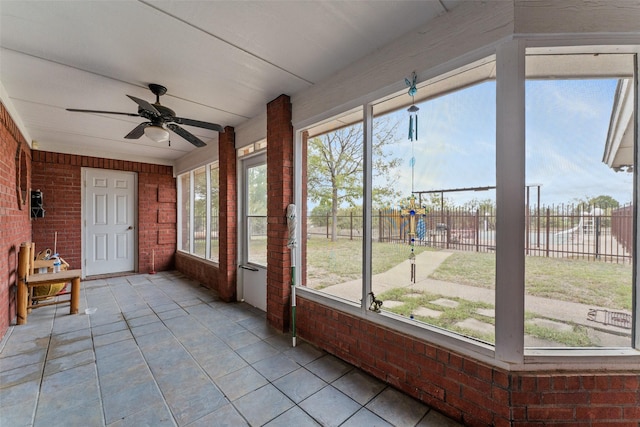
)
(186, 135)
(76, 110)
(198, 123)
(145, 105)
(137, 131)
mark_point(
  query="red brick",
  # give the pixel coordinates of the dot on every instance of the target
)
(614, 398)
(565, 398)
(549, 413)
(501, 378)
(525, 398)
(632, 413)
(615, 424)
(627, 382)
(598, 413)
(528, 384)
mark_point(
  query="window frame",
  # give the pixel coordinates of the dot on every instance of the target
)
(180, 217)
(509, 351)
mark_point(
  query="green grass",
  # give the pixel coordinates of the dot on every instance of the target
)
(563, 279)
(329, 263)
(449, 318)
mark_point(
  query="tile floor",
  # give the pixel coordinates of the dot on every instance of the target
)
(163, 351)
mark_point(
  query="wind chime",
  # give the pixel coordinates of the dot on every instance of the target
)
(413, 110)
(413, 210)
(416, 227)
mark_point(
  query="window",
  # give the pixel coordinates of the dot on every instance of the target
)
(199, 212)
(436, 257)
(256, 212)
(334, 206)
(433, 204)
(184, 187)
(214, 212)
(579, 201)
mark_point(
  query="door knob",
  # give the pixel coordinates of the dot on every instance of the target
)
(130, 227)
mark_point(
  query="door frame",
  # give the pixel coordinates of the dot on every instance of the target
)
(83, 213)
(242, 255)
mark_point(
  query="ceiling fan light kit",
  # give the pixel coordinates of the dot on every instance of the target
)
(156, 133)
(160, 118)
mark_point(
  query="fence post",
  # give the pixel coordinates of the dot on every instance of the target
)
(448, 228)
(477, 236)
(527, 225)
(327, 225)
(351, 225)
(547, 238)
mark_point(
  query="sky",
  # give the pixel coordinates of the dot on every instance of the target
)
(566, 129)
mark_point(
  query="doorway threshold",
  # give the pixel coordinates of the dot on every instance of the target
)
(110, 275)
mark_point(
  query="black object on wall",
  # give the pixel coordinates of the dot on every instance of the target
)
(37, 209)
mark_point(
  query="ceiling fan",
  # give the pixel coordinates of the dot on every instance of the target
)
(160, 118)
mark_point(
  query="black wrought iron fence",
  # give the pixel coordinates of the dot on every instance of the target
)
(570, 231)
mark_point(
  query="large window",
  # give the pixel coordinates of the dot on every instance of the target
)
(334, 203)
(494, 208)
(199, 212)
(579, 202)
(433, 204)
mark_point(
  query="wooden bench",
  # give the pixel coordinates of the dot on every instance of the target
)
(27, 281)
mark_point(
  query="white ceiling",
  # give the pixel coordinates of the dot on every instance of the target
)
(222, 61)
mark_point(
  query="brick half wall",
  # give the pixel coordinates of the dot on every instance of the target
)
(469, 391)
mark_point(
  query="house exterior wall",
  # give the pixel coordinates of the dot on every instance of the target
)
(59, 177)
(15, 219)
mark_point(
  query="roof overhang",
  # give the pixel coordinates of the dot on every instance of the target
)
(618, 149)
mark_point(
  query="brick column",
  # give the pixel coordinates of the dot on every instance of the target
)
(228, 215)
(279, 196)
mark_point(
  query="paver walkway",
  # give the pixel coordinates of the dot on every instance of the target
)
(427, 262)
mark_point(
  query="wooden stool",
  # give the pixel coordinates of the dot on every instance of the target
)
(27, 281)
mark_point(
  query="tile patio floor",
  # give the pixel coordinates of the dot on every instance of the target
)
(163, 351)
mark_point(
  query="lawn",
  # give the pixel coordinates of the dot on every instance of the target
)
(451, 317)
(563, 279)
(576, 280)
(329, 263)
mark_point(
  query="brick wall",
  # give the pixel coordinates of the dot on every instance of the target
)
(59, 177)
(471, 392)
(197, 269)
(279, 196)
(228, 255)
(15, 225)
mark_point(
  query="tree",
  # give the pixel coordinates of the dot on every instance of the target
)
(335, 167)
(601, 202)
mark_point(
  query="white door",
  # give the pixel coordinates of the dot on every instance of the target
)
(109, 220)
(253, 232)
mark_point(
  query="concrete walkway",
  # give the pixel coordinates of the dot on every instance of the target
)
(427, 262)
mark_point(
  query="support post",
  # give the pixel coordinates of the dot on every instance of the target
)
(75, 296)
(21, 298)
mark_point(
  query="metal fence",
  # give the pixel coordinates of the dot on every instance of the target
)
(568, 231)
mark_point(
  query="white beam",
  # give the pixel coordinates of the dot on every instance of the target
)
(510, 196)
